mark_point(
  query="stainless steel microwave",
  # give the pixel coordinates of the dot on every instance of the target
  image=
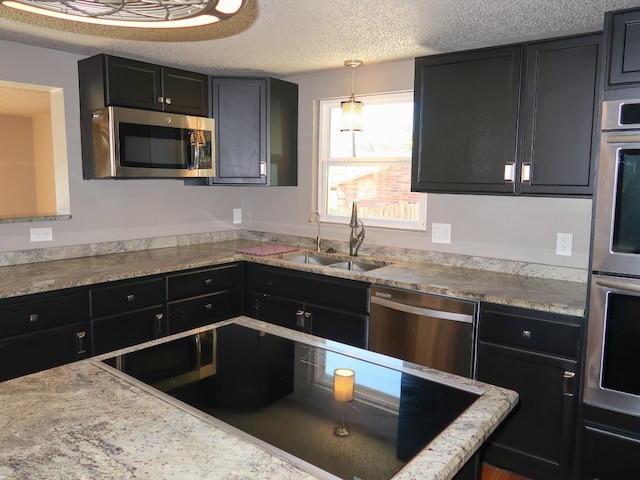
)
(122, 142)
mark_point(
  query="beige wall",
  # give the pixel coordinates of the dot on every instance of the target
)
(17, 167)
(43, 162)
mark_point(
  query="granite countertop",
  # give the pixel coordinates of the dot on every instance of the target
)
(558, 296)
(83, 421)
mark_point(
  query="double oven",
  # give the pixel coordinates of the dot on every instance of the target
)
(613, 344)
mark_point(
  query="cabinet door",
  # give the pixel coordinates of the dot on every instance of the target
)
(185, 92)
(338, 325)
(277, 310)
(239, 107)
(126, 329)
(133, 84)
(561, 105)
(203, 310)
(610, 456)
(465, 117)
(538, 437)
(624, 49)
(29, 353)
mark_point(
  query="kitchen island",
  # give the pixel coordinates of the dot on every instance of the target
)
(88, 420)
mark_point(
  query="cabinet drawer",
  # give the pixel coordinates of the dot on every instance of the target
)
(317, 289)
(200, 282)
(126, 296)
(126, 329)
(555, 334)
(32, 315)
(203, 310)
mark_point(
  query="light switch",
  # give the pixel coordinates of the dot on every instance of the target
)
(441, 232)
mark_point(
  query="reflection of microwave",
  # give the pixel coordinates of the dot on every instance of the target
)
(129, 143)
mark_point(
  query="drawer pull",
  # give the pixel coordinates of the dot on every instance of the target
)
(80, 336)
(208, 282)
(33, 317)
(526, 334)
(208, 307)
(131, 298)
(569, 383)
(300, 319)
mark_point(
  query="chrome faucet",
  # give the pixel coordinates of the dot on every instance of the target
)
(316, 239)
(357, 231)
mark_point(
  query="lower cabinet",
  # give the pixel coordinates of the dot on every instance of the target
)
(126, 313)
(43, 331)
(536, 354)
(328, 307)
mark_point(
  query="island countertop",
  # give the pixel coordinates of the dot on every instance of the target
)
(546, 294)
(82, 421)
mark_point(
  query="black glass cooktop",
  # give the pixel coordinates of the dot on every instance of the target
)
(282, 391)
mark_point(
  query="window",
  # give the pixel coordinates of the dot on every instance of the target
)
(372, 167)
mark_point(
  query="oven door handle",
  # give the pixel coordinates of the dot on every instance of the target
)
(424, 312)
(622, 138)
(629, 287)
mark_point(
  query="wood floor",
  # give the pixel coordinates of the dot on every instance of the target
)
(490, 472)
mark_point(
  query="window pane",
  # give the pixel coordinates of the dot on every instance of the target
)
(382, 191)
(387, 132)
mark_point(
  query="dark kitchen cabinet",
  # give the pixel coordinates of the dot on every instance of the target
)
(518, 119)
(332, 308)
(203, 296)
(622, 32)
(256, 131)
(611, 445)
(43, 331)
(536, 354)
(106, 80)
(127, 312)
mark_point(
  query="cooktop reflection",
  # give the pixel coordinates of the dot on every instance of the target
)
(349, 417)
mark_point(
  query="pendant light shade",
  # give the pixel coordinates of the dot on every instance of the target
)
(139, 13)
(352, 108)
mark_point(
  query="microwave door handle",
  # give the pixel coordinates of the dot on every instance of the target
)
(192, 160)
(629, 287)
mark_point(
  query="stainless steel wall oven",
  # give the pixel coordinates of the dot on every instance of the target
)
(613, 344)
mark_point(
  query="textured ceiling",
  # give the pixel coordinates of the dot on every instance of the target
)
(286, 37)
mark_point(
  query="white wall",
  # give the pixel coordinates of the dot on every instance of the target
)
(513, 228)
(108, 210)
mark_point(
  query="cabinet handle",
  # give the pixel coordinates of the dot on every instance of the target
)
(33, 317)
(307, 321)
(167, 100)
(208, 307)
(300, 319)
(208, 282)
(80, 348)
(569, 384)
(509, 172)
(131, 298)
(263, 169)
(159, 328)
(160, 99)
(525, 174)
(526, 334)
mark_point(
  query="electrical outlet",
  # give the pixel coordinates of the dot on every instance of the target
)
(564, 243)
(441, 232)
(237, 215)
(41, 234)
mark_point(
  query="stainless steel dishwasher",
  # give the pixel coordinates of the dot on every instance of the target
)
(430, 330)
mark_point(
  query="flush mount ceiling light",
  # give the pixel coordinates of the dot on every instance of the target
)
(133, 13)
(352, 108)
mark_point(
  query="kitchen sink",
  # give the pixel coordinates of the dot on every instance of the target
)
(312, 259)
(336, 262)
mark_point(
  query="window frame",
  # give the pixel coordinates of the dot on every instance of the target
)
(325, 161)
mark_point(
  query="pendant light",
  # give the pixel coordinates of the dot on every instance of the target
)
(352, 108)
(139, 13)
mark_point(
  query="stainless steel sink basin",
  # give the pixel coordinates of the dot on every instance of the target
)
(334, 262)
(356, 266)
(312, 259)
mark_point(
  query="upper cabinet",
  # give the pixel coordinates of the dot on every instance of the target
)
(518, 119)
(623, 53)
(256, 130)
(107, 80)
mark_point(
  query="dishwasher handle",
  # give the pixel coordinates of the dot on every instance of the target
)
(425, 312)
